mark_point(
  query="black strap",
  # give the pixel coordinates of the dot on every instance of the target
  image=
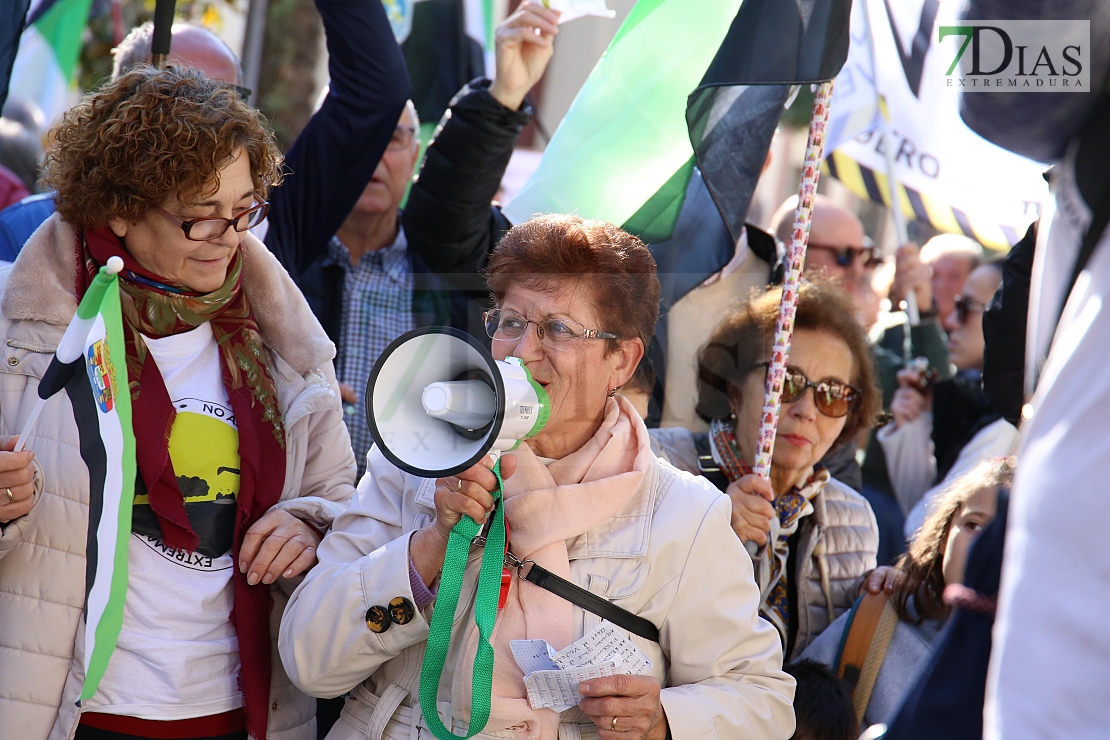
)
(603, 608)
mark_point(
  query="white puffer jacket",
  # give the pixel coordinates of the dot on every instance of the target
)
(837, 544)
(42, 555)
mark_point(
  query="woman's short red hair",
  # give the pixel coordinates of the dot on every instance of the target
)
(619, 270)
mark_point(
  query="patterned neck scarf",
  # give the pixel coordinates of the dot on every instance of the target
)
(154, 307)
(791, 507)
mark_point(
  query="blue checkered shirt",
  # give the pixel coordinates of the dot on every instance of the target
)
(377, 308)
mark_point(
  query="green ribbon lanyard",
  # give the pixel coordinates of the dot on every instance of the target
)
(485, 615)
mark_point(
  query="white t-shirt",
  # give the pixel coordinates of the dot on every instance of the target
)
(177, 655)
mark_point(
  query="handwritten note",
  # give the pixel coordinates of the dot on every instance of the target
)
(552, 679)
(572, 9)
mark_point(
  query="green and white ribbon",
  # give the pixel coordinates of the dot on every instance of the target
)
(485, 615)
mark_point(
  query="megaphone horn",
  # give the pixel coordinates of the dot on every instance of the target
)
(437, 402)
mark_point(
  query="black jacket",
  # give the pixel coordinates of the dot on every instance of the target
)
(450, 219)
(1004, 324)
(335, 155)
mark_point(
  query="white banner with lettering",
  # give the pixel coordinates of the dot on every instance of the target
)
(948, 175)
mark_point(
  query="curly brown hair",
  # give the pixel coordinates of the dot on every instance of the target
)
(743, 340)
(615, 264)
(922, 566)
(148, 135)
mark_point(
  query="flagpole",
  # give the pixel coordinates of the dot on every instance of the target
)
(163, 25)
(795, 259)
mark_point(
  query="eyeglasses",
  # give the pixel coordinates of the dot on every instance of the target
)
(832, 397)
(402, 138)
(847, 256)
(207, 229)
(964, 306)
(556, 334)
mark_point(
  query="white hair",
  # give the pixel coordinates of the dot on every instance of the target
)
(943, 245)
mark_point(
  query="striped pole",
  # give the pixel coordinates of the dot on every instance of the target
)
(795, 259)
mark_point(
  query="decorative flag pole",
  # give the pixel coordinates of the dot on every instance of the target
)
(89, 365)
(795, 258)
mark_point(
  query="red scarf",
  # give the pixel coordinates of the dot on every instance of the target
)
(157, 307)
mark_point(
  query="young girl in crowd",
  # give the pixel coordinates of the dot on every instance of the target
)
(935, 560)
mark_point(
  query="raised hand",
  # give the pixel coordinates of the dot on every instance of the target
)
(525, 42)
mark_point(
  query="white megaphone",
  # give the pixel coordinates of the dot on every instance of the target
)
(437, 402)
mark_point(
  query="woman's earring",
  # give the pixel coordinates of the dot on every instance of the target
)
(611, 392)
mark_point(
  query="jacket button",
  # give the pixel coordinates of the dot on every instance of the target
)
(377, 619)
(401, 610)
(13, 361)
(273, 707)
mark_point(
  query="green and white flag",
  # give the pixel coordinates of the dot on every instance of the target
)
(625, 142)
(45, 67)
(91, 365)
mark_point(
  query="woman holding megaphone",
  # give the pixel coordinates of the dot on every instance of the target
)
(611, 530)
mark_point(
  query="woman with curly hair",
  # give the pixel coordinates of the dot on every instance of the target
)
(242, 454)
(815, 537)
(936, 559)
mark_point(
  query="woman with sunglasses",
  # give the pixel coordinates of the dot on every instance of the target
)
(577, 302)
(942, 430)
(816, 537)
(243, 459)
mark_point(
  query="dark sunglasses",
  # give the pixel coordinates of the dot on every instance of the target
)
(846, 256)
(832, 397)
(965, 307)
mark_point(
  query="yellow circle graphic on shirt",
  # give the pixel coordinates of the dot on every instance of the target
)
(205, 455)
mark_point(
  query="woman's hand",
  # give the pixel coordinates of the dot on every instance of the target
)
(525, 42)
(470, 493)
(633, 701)
(278, 544)
(883, 578)
(751, 508)
(17, 481)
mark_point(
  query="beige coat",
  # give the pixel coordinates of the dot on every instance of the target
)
(668, 556)
(836, 546)
(42, 555)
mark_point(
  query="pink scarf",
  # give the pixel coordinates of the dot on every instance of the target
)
(545, 506)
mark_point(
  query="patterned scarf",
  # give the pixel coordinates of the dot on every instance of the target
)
(157, 308)
(791, 507)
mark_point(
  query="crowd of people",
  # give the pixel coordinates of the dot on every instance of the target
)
(282, 573)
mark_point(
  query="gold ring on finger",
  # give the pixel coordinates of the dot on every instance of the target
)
(458, 488)
(613, 725)
(11, 498)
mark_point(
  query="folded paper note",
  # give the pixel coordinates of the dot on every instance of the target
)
(552, 678)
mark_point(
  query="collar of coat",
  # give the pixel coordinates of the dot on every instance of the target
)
(41, 284)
